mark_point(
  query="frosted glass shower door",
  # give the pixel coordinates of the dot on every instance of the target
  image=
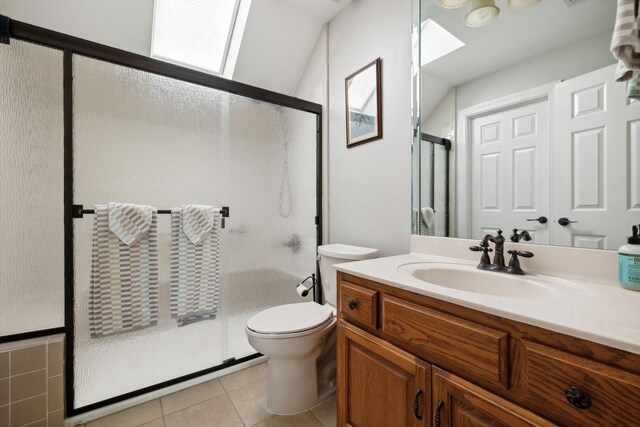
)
(145, 139)
(31, 189)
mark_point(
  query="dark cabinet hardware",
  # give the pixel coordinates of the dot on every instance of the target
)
(565, 221)
(522, 235)
(578, 397)
(514, 263)
(437, 416)
(541, 220)
(352, 304)
(416, 404)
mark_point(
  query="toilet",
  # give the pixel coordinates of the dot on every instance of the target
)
(300, 339)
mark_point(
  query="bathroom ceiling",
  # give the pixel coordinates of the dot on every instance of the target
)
(324, 10)
(492, 51)
(277, 42)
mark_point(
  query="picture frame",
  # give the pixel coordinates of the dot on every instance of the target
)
(363, 102)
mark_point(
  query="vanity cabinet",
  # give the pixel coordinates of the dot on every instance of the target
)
(380, 385)
(398, 349)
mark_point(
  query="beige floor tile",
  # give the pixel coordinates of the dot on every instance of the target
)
(326, 412)
(155, 423)
(245, 377)
(190, 396)
(250, 402)
(304, 419)
(218, 412)
(132, 417)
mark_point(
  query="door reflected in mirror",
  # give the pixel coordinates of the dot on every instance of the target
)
(541, 140)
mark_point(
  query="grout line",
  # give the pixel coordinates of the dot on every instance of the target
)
(233, 405)
(46, 379)
(27, 398)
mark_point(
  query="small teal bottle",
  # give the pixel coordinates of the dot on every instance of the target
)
(629, 262)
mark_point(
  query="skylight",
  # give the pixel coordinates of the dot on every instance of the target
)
(193, 33)
(436, 42)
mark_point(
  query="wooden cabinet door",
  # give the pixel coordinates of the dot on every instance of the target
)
(380, 385)
(459, 403)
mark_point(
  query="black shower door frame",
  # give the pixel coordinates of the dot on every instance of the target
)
(70, 45)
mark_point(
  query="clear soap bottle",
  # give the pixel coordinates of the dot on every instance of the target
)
(629, 262)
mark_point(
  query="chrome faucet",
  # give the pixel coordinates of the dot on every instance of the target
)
(498, 259)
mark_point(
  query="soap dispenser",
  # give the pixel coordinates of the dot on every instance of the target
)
(629, 262)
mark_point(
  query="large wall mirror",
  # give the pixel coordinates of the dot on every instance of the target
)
(523, 126)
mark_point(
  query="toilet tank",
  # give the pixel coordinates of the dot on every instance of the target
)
(336, 254)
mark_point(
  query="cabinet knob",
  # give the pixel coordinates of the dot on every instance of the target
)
(416, 404)
(352, 304)
(578, 397)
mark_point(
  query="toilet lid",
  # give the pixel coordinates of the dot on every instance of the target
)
(290, 318)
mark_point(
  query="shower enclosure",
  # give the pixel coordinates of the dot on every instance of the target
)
(137, 130)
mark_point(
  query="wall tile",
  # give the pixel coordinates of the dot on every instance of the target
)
(29, 410)
(55, 393)
(55, 360)
(39, 423)
(4, 416)
(56, 418)
(4, 392)
(4, 364)
(28, 385)
(28, 359)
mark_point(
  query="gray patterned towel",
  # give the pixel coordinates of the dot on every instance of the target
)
(124, 269)
(625, 43)
(195, 263)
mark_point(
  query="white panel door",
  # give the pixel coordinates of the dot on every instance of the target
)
(596, 162)
(509, 157)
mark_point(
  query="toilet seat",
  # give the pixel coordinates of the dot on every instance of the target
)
(291, 319)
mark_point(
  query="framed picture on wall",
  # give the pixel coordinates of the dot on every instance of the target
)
(363, 98)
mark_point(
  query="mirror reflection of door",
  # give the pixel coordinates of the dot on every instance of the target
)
(596, 184)
(509, 158)
(544, 140)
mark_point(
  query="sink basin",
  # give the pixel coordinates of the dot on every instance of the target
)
(467, 278)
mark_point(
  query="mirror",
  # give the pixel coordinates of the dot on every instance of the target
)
(521, 125)
(363, 104)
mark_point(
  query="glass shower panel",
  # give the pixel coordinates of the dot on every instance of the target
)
(31, 189)
(272, 232)
(147, 139)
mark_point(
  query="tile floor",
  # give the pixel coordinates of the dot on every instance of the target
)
(236, 400)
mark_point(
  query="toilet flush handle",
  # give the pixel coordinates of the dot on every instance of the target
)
(352, 304)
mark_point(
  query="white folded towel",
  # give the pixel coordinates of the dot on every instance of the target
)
(625, 43)
(195, 263)
(124, 269)
(427, 215)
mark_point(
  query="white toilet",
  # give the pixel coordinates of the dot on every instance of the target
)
(300, 339)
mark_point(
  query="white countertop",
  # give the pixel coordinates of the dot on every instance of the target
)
(599, 312)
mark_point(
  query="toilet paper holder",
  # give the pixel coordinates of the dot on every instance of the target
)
(302, 290)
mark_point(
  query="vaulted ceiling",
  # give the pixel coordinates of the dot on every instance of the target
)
(278, 37)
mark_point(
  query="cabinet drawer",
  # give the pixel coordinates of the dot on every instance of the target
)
(359, 304)
(547, 373)
(472, 350)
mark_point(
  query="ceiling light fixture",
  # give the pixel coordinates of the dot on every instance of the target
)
(521, 4)
(481, 12)
(453, 4)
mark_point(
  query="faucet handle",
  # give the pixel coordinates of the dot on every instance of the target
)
(524, 254)
(480, 248)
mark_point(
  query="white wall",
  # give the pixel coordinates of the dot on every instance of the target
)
(276, 46)
(370, 197)
(123, 24)
(567, 62)
(313, 87)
